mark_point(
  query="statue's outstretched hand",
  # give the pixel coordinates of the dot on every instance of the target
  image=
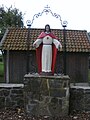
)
(34, 44)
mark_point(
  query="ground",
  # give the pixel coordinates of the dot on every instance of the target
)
(19, 114)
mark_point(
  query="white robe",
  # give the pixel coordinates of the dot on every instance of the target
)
(47, 51)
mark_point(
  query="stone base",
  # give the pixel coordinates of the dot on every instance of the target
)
(79, 99)
(46, 73)
(46, 95)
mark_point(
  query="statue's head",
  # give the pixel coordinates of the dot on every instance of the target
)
(47, 28)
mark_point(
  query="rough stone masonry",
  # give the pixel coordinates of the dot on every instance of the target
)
(11, 96)
(46, 95)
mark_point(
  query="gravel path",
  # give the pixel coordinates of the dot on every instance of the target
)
(19, 114)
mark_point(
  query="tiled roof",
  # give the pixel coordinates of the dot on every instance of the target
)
(16, 39)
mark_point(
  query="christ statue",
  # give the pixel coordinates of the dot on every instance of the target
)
(47, 45)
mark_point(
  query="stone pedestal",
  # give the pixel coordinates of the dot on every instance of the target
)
(46, 95)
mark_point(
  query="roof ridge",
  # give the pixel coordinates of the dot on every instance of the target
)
(43, 29)
(16, 28)
(58, 29)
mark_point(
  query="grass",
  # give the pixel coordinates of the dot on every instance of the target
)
(1, 72)
(1, 68)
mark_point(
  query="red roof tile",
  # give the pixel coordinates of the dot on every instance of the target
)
(16, 39)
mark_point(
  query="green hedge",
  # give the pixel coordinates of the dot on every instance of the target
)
(1, 69)
(1, 72)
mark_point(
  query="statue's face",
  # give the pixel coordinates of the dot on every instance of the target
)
(47, 29)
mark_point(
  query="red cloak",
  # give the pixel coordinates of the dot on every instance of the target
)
(39, 53)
